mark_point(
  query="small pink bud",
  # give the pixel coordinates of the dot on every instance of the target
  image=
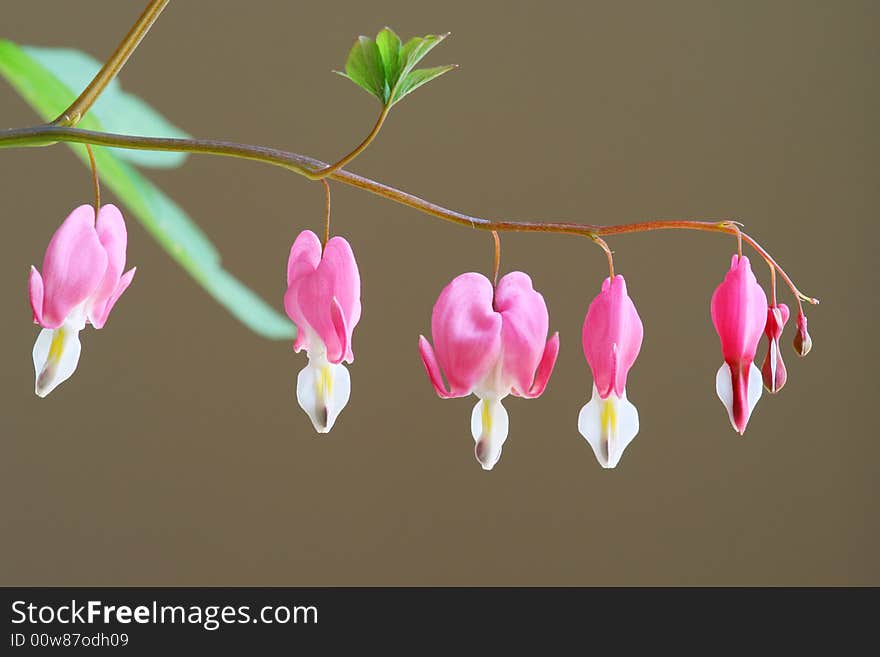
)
(802, 341)
(773, 371)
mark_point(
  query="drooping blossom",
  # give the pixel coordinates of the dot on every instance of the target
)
(323, 299)
(80, 282)
(612, 338)
(773, 369)
(489, 341)
(739, 313)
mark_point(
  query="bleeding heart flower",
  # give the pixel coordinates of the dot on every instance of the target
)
(489, 342)
(323, 299)
(773, 369)
(612, 338)
(739, 313)
(81, 281)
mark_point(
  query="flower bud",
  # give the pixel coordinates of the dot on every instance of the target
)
(773, 371)
(802, 341)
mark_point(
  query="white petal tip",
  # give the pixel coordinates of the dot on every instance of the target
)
(56, 355)
(321, 428)
(725, 391)
(609, 426)
(485, 456)
(323, 390)
(489, 426)
(43, 385)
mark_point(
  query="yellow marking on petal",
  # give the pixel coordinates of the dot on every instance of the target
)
(324, 382)
(608, 418)
(487, 418)
(56, 348)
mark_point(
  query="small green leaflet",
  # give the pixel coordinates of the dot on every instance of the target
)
(46, 90)
(385, 66)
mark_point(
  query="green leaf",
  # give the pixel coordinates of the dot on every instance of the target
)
(417, 78)
(117, 110)
(364, 67)
(417, 47)
(164, 219)
(389, 49)
(386, 68)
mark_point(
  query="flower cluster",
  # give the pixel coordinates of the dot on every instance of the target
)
(489, 339)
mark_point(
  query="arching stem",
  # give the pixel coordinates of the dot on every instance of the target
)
(47, 134)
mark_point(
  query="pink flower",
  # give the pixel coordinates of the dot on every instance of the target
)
(323, 299)
(612, 338)
(739, 312)
(81, 281)
(773, 369)
(489, 342)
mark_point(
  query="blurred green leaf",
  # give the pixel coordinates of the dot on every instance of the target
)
(116, 110)
(166, 221)
(385, 67)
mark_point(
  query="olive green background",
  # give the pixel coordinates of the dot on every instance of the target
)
(177, 454)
